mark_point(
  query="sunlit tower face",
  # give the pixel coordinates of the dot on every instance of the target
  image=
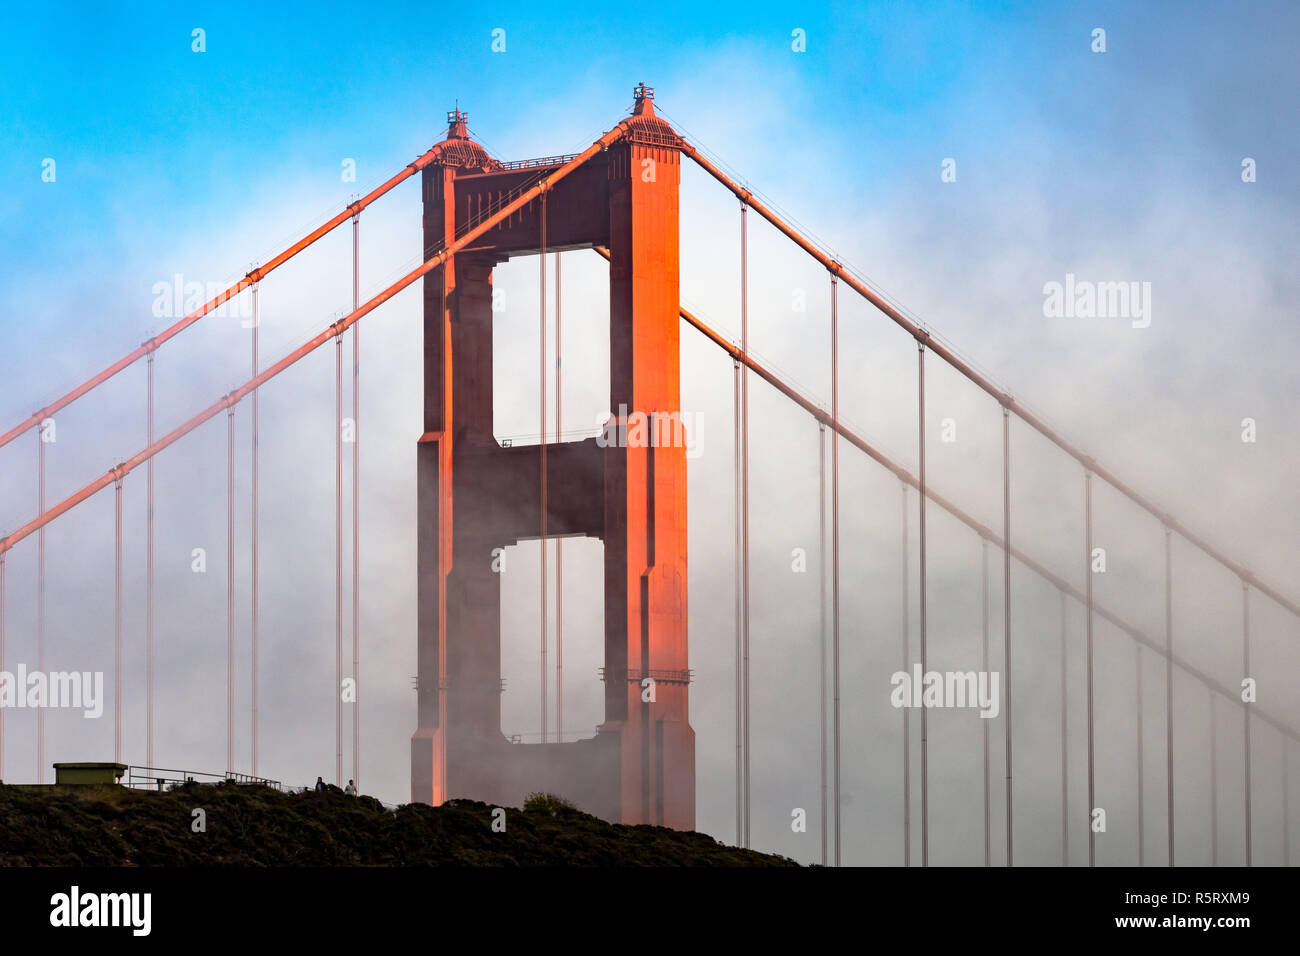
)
(476, 495)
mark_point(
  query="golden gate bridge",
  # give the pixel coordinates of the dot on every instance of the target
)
(620, 197)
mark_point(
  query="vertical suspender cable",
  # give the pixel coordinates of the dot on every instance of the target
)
(40, 600)
(2, 662)
(1087, 569)
(1006, 604)
(740, 720)
(821, 605)
(744, 508)
(984, 667)
(1245, 710)
(149, 581)
(1169, 690)
(1137, 657)
(906, 712)
(541, 377)
(117, 623)
(1065, 751)
(356, 504)
(835, 548)
(230, 588)
(338, 560)
(1214, 780)
(253, 545)
(925, 756)
(1286, 748)
(559, 542)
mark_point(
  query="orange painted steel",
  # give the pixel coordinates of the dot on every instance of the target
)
(1004, 398)
(921, 602)
(336, 329)
(1006, 627)
(40, 605)
(541, 448)
(907, 664)
(117, 627)
(559, 542)
(356, 508)
(338, 562)
(230, 589)
(249, 280)
(254, 548)
(835, 559)
(149, 576)
(477, 494)
(744, 513)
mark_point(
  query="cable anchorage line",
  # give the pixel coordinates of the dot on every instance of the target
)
(333, 330)
(250, 279)
(964, 367)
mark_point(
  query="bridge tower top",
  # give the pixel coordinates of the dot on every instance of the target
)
(459, 149)
(645, 100)
(456, 120)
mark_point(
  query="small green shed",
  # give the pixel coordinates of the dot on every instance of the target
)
(88, 773)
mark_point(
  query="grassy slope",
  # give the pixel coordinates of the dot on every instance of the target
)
(257, 826)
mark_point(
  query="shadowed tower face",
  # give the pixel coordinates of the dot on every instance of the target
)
(627, 488)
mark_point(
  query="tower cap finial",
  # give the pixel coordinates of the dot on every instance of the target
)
(644, 100)
(456, 121)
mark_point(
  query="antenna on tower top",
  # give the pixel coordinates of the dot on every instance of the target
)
(644, 100)
(456, 120)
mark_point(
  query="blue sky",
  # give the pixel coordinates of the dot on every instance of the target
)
(133, 115)
(1116, 166)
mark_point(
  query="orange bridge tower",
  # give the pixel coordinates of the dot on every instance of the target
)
(476, 494)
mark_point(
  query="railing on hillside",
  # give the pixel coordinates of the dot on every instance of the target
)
(158, 778)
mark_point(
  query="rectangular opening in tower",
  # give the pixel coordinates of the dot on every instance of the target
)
(584, 344)
(582, 640)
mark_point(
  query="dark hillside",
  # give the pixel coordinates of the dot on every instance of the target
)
(259, 826)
